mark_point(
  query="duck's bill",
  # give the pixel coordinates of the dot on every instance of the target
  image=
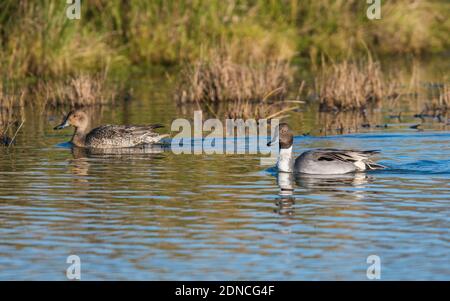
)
(62, 125)
(273, 141)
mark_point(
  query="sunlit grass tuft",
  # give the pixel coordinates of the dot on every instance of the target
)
(220, 79)
(76, 91)
(351, 85)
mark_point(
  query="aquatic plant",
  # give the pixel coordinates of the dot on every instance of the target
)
(7, 125)
(11, 95)
(220, 79)
(444, 96)
(76, 91)
(350, 85)
(438, 102)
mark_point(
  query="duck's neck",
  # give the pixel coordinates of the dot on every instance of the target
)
(285, 161)
(79, 137)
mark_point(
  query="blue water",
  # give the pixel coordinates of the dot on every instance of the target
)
(161, 216)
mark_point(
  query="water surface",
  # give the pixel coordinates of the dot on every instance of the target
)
(160, 216)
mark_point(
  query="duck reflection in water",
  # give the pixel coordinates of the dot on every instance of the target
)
(84, 157)
(286, 200)
(319, 184)
(331, 182)
(126, 152)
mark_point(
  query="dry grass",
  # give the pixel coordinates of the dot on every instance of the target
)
(11, 97)
(332, 123)
(351, 86)
(82, 90)
(10, 100)
(9, 126)
(240, 110)
(439, 102)
(444, 97)
(220, 79)
(248, 110)
(5, 117)
(227, 89)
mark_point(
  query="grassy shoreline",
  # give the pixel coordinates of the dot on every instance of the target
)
(47, 59)
(38, 40)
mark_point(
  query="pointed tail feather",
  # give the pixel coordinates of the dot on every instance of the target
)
(371, 152)
(373, 166)
(156, 126)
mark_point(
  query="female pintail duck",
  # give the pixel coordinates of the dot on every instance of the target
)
(108, 136)
(321, 161)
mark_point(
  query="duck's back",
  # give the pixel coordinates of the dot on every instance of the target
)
(313, 162)
(114, 136)
(334, 161)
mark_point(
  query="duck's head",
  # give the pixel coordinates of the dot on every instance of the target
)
(75, 118)
(284, 136)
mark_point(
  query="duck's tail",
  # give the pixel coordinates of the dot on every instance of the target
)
(156, 138)
(155, 126)
(370, 165)
(162, 136)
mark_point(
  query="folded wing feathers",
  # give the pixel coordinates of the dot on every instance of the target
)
(361, 159)
(125, 135)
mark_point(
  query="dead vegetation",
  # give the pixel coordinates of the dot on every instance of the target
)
(444, 97)
(77, 91)
(438, 104)
(81, 90)
(11, 97)
(352, 86)
(220, 79)
(229, 88)
(331, 123)
(9, 127)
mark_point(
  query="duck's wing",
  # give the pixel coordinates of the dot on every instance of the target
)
(360, 159)
(123, 135)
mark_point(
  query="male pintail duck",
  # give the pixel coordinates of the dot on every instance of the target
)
(108, 136)
(321, 161)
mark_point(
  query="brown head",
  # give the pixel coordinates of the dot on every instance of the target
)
(285, 136)
(77, 118)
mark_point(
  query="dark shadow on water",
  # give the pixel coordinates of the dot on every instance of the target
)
(129, 152)
(288, 182)
(83, 158)
(330, 182)
(286, 199)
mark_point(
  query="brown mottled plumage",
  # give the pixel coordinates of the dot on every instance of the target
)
(109, 136)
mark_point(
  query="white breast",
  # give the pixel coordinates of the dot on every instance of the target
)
(285, 162)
